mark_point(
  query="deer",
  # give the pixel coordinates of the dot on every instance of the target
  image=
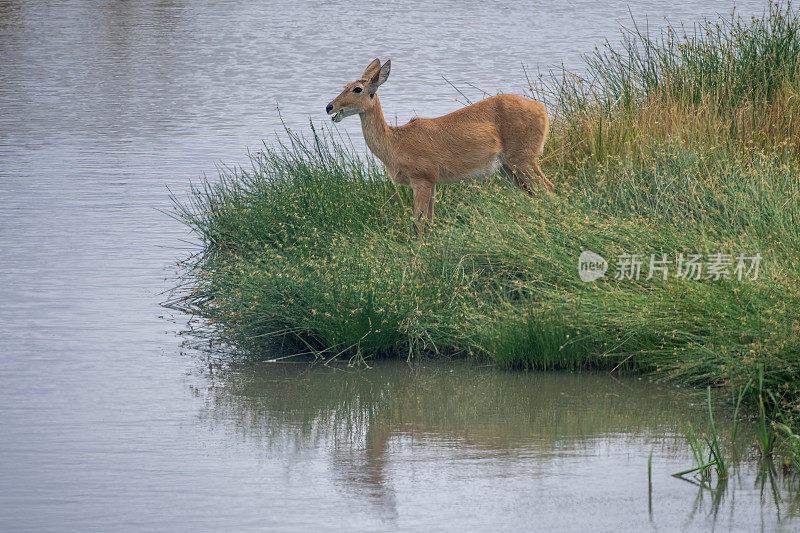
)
(501, 133)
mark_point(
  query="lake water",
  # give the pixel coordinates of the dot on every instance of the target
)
(108, 423)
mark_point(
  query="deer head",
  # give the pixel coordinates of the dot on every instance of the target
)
(359, 96)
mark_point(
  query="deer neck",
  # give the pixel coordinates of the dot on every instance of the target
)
(377, 133)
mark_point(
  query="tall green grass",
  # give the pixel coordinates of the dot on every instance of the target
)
(309, 250)
(707, 451)
(727, 82)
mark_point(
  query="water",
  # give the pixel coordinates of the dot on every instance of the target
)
(107, 424)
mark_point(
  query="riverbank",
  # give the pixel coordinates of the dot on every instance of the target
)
(678, 146)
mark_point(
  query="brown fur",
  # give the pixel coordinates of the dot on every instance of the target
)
(507, 131)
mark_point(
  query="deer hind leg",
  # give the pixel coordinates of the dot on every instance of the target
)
(423, 204)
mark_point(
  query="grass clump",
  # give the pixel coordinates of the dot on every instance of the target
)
(707, 451)
(730, 82)
(310, 249)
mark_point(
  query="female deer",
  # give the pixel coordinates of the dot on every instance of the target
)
(502, 132)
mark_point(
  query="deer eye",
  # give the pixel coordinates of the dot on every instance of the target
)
(357, 90)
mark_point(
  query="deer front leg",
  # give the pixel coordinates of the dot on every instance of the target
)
(423, 204)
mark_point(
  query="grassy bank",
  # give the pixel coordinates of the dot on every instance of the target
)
(673, 146)
(726, 83)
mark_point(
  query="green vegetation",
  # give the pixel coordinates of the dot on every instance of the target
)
(712, 451)
(730, 83)
(707, 450)
(675, 145)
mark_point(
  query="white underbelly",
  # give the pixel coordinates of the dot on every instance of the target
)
(481, 173)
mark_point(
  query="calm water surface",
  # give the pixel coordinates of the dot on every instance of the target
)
(105, 422)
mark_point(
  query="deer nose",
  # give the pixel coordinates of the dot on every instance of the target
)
(329, 108)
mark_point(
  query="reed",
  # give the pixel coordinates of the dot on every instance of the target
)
(707, 450)
(729, 82)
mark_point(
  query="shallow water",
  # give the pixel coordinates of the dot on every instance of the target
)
(108, 423)
(461, 445)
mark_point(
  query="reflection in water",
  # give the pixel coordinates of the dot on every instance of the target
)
(442, 426)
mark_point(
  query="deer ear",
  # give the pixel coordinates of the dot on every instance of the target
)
(372, 68)
(379, 77)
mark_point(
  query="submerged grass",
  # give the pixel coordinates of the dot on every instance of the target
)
(707, 452)
(686, 146)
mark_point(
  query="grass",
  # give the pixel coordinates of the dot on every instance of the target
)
(671, 145)
(707, 449)
(729, 83)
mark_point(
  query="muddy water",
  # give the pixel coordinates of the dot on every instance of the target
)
(108, 423)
